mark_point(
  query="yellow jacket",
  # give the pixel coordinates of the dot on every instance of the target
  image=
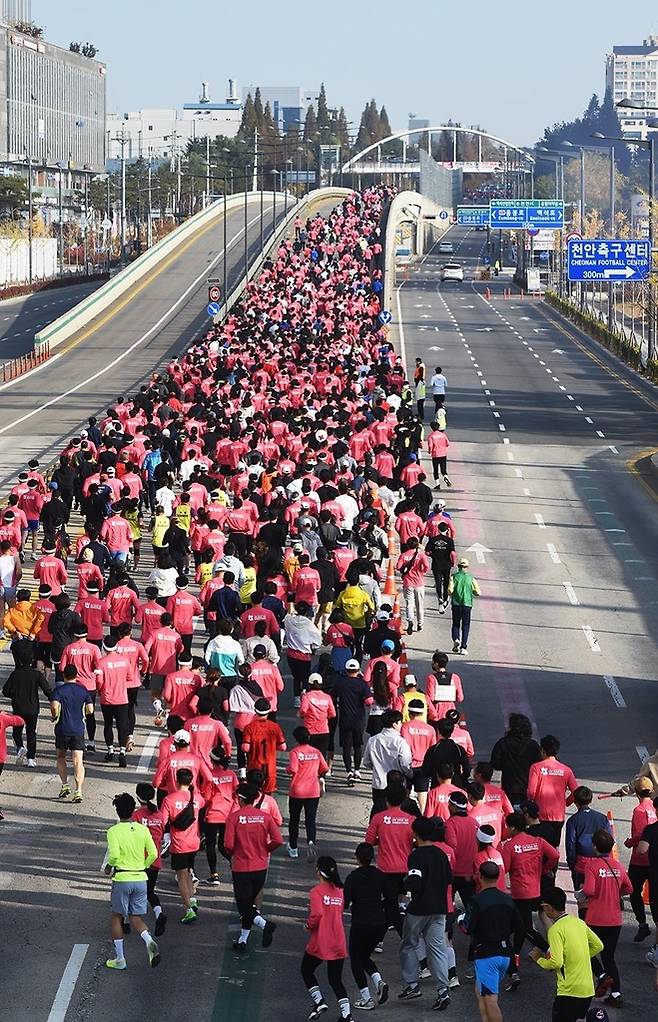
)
(23, 619)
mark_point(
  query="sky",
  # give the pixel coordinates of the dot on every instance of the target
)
(512, 69)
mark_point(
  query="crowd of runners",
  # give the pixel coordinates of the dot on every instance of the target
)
(292, 495)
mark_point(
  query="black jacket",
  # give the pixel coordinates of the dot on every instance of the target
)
(22, 687)
(513, 755)
(61, 626)
(447, 751)
(428, 878)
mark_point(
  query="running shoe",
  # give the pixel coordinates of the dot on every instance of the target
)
(268, 933)
(604, 986)
(293, 853)
(297, 702)
(214, 880)
(455, 646)
(378, 949)
(90, 747)
(189, 917)
(365, 1005)
(160, 924)
(108, 757)
(453, 982)
(153, 952)
(122, 759)
(382, 992)
(311, 851)
(318, 1010)
(410, 629)
(652, 956)
(442, 1001)
(77, 796)
(64, 791)
(513, 982)
(425, 973)
(614, 1001)
(116, 963)
(643, 931)
(240, 946)
(442, 607)
(21, 754)
(410, 992)
(31, 763)
(464, 651)
(350, 780)
(130, 744)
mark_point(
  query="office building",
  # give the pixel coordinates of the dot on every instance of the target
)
(12, 11)
(160, 132)
(417, 122)
(631, 72)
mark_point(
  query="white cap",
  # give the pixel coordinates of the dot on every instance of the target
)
(182, 736)
(315, 679)
(352, 665)
(383, 615)
(410, 679)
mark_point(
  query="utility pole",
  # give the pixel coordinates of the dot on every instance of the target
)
(149, 218)
(30, 215)
(61, 225)
(86, 234)
(123, 142)
(207, 195)
(254, 186)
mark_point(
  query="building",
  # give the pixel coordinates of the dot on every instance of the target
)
(417, 122)
(631, 73)
(287, 103)
(161, 132)
(12, 11)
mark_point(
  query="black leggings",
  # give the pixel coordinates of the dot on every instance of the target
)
(30, 734)
(363, 939)
(439, 464)
(300, 670)
(638, 876)
(351, 742)
(246, 888)
(119, 715)
(441, 580)
(132, 703)
(214, 833)
(241, 756)
(334, 974)
(526, 907)
(320, 742)
(310, 807)
(151, 880)
(393, 888)
(605, 962)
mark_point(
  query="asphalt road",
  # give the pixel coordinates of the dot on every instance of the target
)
(544, 506)
(20, 318)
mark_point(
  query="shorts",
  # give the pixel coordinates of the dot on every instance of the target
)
(33, 525)
(157, 682)
(128, 897)
(42, 652)
(421, 783)
(489, 973)
(182, 860)
(69, 743)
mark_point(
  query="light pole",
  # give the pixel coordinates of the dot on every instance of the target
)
(30, 215)
(581, 214)
(61, 223)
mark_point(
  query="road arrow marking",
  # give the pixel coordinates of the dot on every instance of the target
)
(557, 351)
(613, 689)
(479, 550)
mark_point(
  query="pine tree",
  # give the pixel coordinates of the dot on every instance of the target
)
(258, 110)
(384, 123)
(249, 120)
(342, 130)
(324, 121)
(270, 129)
(311, 125)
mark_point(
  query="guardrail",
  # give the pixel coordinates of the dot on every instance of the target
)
(17, 366)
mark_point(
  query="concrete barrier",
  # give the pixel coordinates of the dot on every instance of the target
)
(65, 326)
(416, 207)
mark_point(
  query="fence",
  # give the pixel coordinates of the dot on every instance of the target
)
(17, 366)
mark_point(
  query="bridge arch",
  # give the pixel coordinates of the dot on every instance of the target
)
(508, 147)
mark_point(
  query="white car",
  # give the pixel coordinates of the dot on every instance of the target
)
(446, 248)
(452, 271)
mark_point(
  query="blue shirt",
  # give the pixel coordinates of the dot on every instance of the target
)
(72, 699)
(151, 462)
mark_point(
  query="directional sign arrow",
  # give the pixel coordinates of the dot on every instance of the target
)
(626, 272)
(479, 550)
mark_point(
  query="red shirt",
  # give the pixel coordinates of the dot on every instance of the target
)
(251, 836)
(390, 830)
(643, 815)
(325, 923)
(122, 605)
(250, 617)
(165, 774)
(495, 795)
(179, 687)
(221, 795)
(112, 676)
(7, 720)
(156, 826)
(306, 766)
(116, 534)
(188, 840)
(260, 740)
(414, 577)
(316, 710)
(548, 781)
(148, 616)
(88, 572)
(93, 612)
(419, 737)
(184, 607)
(47, 608)
(51, 572)
(163, 646)
(526, 858)
(268, 676)
(408, 524)
(460, 835)
(604, 884)
(137, 658)
(490, 814)
(205, 734)
(437, 800)
(489, 854)
(86, 658)
(306, 585)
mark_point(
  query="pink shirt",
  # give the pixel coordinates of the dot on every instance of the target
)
(136, 656)
(251, 836)
(604, 884)
(325, 923)
(116, 534)
(205, 733)
(148, 616)
(490, 814)
(165, 774)
(184, 607)
(188, 840)
(460, 835)
(414, 578)
(122, 605)
(437, 800)
(390, 830)
(548, 781)
(112, 676)
(316, 710)
(163, 647)
(305, 765)
(419, 737)
(179, 687)
(51, 572)
(88, 572)
(268, 676)
(250, 618)
(93, 612)
(84, 656)
(156, 826)
(221, 794)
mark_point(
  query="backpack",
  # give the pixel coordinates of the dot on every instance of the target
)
(186, 817)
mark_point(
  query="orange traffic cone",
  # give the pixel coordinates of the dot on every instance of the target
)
(615, 853)
(389, 585)
(396, 619)
(391, 542)
(404, 664)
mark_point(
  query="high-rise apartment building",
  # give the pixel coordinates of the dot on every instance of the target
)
(632, 73)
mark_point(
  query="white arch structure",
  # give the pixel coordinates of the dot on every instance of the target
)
(525, 160)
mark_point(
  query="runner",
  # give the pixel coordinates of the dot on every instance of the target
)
(462, 587)
(364, 896)
(307, 768)
(70, 704)
(148, 813)
(327, 939)
(181, 809)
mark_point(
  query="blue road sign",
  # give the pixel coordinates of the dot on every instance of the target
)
(443, 214)
(516, 213)
(213, 308)
(473, 216)
(384, 317)
(608, 259)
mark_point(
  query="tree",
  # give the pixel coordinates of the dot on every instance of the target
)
(258, 110)
(343, 130)
(324, 121)
(311, 125)
(249, 121)
(13, 192)
(384, 123)
(269, 129)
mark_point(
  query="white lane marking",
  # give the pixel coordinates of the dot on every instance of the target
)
(592, 641)
(68, 981)
(553, 554)
(518, 473)
(540, 521)
(570, 398)
(510, 456)
(571, 594)
(587, 419)
(101, 372)
(496, 415)
(611, 447)
(500, 425)
(527, 493)
(599, 433)
(492, 404)
(147, 752)
(483, 382)
(642, 752)
(614, 690)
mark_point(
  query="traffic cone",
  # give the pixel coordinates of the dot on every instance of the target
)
(611, 820)
(404, 664)
(391, 542)
(389, 585)
(487, 293)
(396, 619)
